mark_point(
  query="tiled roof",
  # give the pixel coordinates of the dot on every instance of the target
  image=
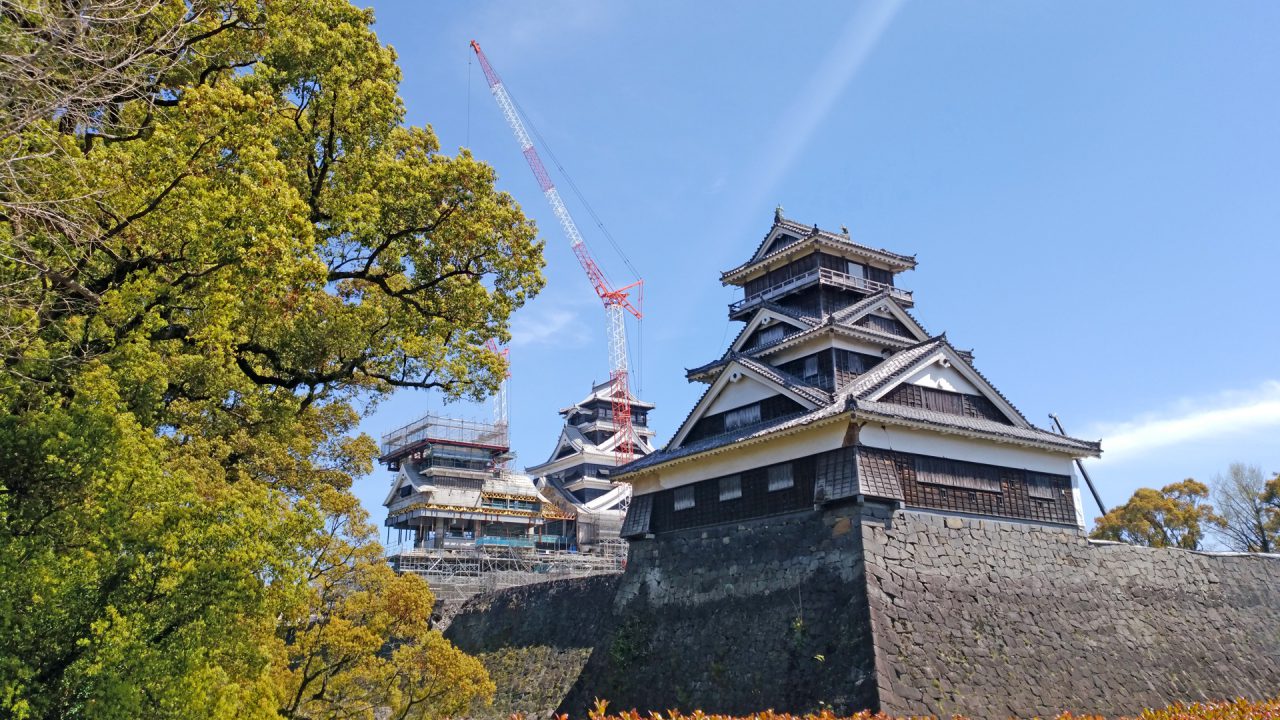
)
(852, 397)
(784, 311)
(888, 369)
(806, 231)
(981, 426)
(601, 392)
(836, 321)
(861, 306)
(885, 371)
(870, 302)
(787, 380)
(749, 432)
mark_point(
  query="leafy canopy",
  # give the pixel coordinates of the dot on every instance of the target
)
(1173, 516)
(211, 262)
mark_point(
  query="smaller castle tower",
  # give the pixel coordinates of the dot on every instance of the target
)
(577, 477)
(451, 491)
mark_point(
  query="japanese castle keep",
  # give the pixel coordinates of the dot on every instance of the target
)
(832, 392)
(853, 517)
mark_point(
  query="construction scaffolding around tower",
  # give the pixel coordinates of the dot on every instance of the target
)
(455, 575)
(458, 517)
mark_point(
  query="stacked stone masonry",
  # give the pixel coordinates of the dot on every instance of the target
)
(989, 619)
(914, 613)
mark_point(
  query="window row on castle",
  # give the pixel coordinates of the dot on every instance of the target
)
(782, 487)
(918, 480)
(946, 401)
(812, 262)
(831, 368)
(777, 478)
(604, 413)
(755, 413)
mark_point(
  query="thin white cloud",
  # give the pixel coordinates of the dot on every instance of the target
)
(1192, 420)
(811, 106)
(545, 328)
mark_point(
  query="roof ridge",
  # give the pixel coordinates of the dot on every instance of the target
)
(812, 231)
(858, 307)
(790, 381)
(979, 425)
(881, 374)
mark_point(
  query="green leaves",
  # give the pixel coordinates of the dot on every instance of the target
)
(203, 279)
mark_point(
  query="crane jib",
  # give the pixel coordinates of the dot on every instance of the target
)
(615, 300)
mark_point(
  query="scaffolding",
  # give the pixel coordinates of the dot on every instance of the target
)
(438, 428)
(455, 575)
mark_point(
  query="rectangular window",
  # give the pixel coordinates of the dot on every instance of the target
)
(810, 367)
(406, 491)
(684, 497)
(856, 270)
(742, 416)
(1043, 487)
(780, 477)
(943, 401)
(770, 335)
(730, 487)
(954, 473)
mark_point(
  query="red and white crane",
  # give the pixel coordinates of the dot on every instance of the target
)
(616, 300)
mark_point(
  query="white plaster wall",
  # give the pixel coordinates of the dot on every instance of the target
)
(1075, 496)
(791, 447)
(936, 376)
(865, 348)
(961, 448)
(808, 347)
(736, 394)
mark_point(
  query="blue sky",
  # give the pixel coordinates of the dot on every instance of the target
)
(1092, 190)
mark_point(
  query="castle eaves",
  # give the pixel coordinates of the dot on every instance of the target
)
(810, 236)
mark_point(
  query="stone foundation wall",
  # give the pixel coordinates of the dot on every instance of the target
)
(766, 613)
(856, 607)
(988, 619)
(535, 640)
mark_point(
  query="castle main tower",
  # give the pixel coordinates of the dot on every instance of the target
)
(833, 392)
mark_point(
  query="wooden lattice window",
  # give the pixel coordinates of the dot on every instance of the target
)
(889, 325)
(780, 477)
(683, 498)
(956, 473)
(1043, 487)
(770, 335)
(742, 416)
(730, 487)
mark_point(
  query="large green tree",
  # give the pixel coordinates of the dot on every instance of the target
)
(211, 262)
(1173, 516)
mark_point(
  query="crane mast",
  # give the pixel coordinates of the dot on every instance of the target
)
(616, 301)
(500, 400)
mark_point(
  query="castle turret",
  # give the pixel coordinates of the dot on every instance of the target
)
(577, 477)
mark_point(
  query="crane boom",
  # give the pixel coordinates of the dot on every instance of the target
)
(616, 300)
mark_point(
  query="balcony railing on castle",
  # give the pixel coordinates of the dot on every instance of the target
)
(825, 276)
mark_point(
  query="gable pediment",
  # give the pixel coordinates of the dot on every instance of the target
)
(938, 377)
(403, 479)
(945, 369)
(765, 328)
(736, 386)
(893, 318)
